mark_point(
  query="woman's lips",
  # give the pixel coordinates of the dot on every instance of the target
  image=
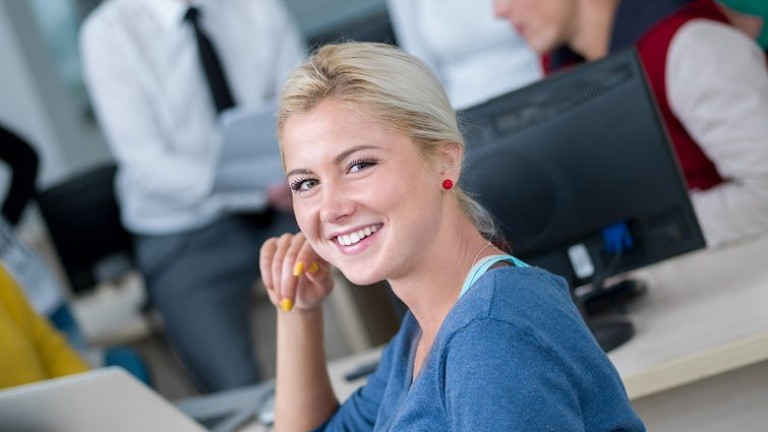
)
(358, 239)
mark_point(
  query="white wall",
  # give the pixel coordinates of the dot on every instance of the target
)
(20, 100)
(35, 103)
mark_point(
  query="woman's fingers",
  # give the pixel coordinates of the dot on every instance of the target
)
(319, 273)
(317, 269)
(291, 271)
(266, 254)
(282, 244)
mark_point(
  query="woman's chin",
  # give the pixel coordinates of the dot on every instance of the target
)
(358, 277)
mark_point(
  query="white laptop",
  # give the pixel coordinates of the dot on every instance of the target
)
(107, 399)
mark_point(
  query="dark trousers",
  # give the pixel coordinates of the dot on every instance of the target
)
(200, 282)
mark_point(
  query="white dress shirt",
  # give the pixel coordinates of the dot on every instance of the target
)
(717, 85)
(475, 56)
(149, 91)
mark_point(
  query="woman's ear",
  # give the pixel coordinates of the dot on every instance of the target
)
(449, 160)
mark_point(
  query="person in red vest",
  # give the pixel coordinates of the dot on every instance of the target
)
(710, 83)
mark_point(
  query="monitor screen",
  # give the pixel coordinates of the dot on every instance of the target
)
(560, 160)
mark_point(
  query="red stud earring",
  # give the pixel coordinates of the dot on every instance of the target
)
(447, 184)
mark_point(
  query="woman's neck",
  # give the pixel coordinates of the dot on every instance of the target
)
(432, 288)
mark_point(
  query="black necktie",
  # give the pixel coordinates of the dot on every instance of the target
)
(214, 73)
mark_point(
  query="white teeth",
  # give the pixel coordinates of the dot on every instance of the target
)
(355, 237)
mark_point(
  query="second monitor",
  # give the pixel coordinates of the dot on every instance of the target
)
(560, 161)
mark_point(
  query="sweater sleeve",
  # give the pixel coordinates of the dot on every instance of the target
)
(717, 85)
(492, 363)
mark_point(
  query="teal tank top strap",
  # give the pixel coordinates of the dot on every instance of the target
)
(483, 265)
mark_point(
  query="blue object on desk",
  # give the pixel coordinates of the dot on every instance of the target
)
(617, 238)
(130, 360)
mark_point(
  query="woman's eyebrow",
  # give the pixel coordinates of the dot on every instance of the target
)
(299, 171)
(343, 155)
(337, 160)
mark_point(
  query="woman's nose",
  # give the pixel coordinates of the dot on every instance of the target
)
(335, 205)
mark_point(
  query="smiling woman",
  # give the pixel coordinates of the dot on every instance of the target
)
(373, 151)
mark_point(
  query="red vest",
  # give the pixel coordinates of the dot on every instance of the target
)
(653, 47)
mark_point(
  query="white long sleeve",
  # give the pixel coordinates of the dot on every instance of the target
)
(717, 85)
(150, 95)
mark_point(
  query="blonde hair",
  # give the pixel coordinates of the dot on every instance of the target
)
(391, 87)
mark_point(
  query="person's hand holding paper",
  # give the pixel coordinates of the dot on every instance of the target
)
(249, 159)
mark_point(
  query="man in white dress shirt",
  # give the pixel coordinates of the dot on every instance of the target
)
(197, 241)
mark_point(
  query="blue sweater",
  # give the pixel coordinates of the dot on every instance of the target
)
(512, 355)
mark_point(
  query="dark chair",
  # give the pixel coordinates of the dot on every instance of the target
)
(83, 221)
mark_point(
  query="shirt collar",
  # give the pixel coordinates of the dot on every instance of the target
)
(170, 13)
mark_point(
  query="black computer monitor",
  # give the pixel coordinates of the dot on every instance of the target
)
(560, 160)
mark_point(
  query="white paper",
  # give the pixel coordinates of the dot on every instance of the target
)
(250, 157)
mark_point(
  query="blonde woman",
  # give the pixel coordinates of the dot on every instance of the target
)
(373, 155)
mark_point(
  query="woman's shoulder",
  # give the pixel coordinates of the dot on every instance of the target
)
(516, 292)
(523, 289)
(521, 324)
(522, 300)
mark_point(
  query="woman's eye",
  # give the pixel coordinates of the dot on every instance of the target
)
(302, 185)
(360, 165)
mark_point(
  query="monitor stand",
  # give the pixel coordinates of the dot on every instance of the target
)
(614, 298)
(610, 332)
(604, 310)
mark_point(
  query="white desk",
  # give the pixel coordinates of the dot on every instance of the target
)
(699, 358)
(705, 314)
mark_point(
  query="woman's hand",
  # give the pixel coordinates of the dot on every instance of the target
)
(295, 276)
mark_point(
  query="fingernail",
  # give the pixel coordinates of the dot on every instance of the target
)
(286, 304)
(298, 269)
(313, 268)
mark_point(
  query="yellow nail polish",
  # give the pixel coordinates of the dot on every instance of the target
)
(313, 268)
(286, 304)
(298, 269)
